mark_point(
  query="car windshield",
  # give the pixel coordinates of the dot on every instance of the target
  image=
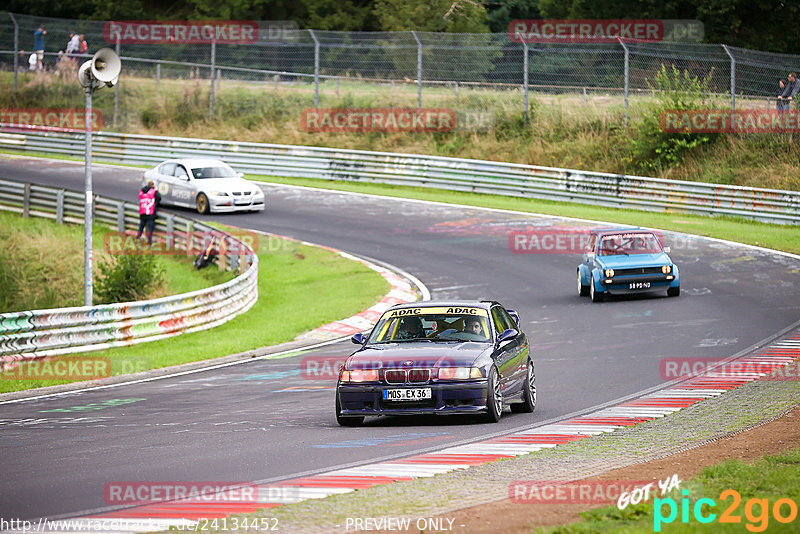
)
(213, 172)
(630, 243)
(444, 323)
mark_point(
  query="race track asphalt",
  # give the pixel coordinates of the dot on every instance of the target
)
(263, 420)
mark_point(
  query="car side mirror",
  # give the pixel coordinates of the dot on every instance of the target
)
(507, 335)
(514, 315)
(667, 250)
(359, 339)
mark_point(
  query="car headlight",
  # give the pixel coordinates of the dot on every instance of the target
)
(218, 193)
(666, 269)
(360, 375)
(609, 273)
(459, 373)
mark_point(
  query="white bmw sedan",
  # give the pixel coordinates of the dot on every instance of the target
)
(208, 185)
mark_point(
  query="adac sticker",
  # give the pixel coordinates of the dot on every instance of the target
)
(438, 310)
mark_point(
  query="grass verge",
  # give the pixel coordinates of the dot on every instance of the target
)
(300, 288)
(774, 236)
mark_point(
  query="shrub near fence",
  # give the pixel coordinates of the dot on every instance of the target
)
(39, 333)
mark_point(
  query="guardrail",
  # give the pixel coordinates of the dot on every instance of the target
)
(34, 334)
(509, 179)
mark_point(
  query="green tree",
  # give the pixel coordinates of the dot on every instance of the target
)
(500, 13)
(454, 16)
(343, 15)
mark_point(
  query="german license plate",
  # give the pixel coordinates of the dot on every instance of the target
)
(410, 394)
(639, 285)
(241, 201)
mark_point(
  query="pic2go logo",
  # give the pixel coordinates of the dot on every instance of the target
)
(756, 511)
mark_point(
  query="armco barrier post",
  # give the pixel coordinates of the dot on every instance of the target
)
(189, 237)
(26, 201)
(60, 206)
(121, 216)
(170, 229)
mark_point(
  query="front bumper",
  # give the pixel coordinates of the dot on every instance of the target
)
(446, 399)
(624, 285)
(229, 204)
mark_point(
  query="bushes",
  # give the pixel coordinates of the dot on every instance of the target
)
(654, 149)
(128, 278)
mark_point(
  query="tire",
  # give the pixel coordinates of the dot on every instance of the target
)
(346, 421)
(674, 291)
(582, 289)
(202, 204)
(595, 296)
(494, 400)
(528, 403)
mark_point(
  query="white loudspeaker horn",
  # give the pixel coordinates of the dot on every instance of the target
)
(105, 65)
(83, 74)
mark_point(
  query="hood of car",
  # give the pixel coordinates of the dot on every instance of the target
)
(422, 354)
(227, 185)
(621, 261)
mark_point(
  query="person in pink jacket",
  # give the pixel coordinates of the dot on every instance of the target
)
(149, 198)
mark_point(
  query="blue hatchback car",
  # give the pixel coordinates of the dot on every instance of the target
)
(619, 261)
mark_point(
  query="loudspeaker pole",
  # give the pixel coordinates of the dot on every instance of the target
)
(88, 210)
(102, 69)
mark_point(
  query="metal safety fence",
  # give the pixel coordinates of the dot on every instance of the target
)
(456, 174)
(463, 71)
(39, 333)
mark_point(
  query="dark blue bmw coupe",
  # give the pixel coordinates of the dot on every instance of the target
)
(438, 357)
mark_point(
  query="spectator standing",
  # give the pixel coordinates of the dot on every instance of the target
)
(23, 58)
(84, 47)
(789, 92)
(778, 99)
(33, 61)
(148, 199)
(38, 44)
(73, 45)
